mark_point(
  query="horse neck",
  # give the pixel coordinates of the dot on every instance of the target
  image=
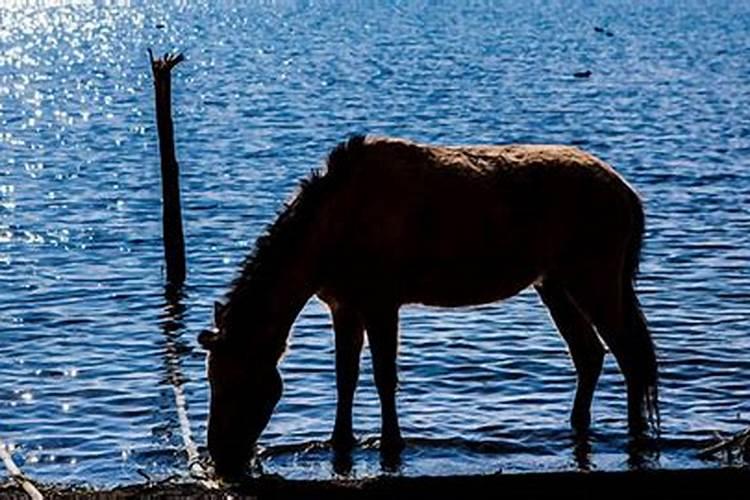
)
(268, 307)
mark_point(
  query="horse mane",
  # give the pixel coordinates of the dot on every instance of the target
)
(272, 246)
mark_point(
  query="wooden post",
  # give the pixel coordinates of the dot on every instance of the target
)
(174, 240)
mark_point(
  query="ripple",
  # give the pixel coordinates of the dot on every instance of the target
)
(91, 349)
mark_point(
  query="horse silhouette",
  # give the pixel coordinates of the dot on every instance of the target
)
(391, 222)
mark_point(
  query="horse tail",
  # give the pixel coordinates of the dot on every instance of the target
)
(644, 355)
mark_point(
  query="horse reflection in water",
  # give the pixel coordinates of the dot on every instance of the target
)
(391, 222)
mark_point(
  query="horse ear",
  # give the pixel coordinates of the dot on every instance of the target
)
(209, 339)
(219, 314)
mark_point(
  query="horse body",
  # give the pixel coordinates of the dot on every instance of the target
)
(392, 222)
(461, 226)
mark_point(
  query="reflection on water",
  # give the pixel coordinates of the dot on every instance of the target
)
(582, 452)
(175, 349)
(93, 355)
(173, 326)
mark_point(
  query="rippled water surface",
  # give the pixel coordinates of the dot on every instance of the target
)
(90, 351)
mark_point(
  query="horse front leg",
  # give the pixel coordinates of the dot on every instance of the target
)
(382, 331)
(349, 332)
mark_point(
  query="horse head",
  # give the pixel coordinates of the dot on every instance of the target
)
(244, 392)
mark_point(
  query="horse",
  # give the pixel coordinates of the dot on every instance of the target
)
(390, 222)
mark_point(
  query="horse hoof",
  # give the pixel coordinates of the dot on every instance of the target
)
(392, 445)
(637, 427)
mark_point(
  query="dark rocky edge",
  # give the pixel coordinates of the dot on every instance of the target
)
(699, 483)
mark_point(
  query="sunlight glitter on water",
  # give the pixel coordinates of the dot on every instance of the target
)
(266, 91)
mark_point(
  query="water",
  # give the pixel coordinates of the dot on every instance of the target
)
(90, 348)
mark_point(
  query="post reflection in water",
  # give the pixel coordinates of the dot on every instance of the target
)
(173, 325)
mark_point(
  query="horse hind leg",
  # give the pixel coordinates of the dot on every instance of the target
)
(349, 331)
(608, 300)
(584, 346)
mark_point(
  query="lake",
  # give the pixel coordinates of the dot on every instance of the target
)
(92, 355)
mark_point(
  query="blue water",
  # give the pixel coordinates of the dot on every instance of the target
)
(89, 349)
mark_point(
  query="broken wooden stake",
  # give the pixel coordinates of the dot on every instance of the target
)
(174, 240)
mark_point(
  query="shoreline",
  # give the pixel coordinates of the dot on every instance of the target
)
(722, 483)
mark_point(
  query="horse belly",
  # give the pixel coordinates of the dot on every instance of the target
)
(464, 283)
(468, 257)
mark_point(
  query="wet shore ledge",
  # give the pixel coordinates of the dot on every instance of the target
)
(696, 483)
